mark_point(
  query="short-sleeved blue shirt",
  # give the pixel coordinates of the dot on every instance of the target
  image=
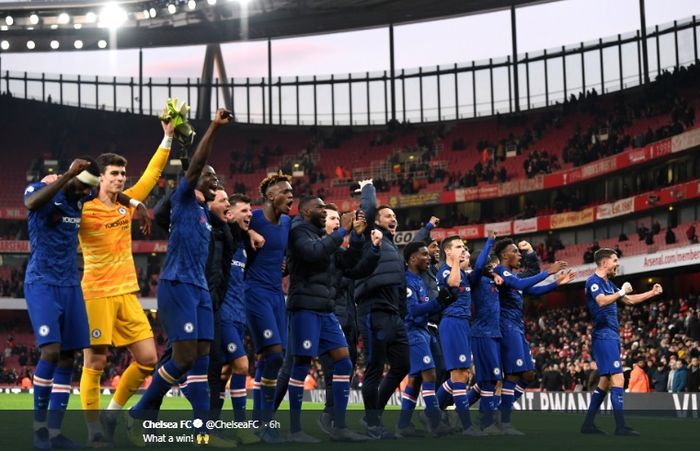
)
(265, 265)
(605, 324)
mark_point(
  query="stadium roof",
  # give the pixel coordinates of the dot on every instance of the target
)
(153, 24)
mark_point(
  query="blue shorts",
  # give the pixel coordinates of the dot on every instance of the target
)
(487, 358)
(232, 340)
(419, 342)
(58, 315)
(266, 317)
(606, 353)
(185, 311)
(515, 354)
(454, 338)
(314, 333)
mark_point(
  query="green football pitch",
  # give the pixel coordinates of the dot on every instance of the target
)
(544, 431)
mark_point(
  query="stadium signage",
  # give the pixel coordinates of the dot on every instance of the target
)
(404, 237)
(501, 228)
(9, 246)
(571, 219)
(619, 208)
(637, 264)
(682, 404)
(415, 200)
(685, 141)
(525, 226)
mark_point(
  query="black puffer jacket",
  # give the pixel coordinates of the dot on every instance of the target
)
(344, 285)
(312, 261)
(385, 288)
(221, 252)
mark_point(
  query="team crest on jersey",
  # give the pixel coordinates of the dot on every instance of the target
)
(29, 189)
(507, 274)
(80, 205)
(96, 333)
(189, 328)
(519, 362)
(267, 333)
(616, 364)
(594, 287)
(306, 344)
(231, 347)
(462, 358)
(122, 210)
(426, 359)
(496, 371)
(44, 330)
(409, 292)
(446, 273)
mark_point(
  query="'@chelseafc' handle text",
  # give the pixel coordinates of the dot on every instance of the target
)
(195, 431)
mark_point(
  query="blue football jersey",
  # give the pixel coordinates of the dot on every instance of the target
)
(190, 233)
(419, 305)
(487, 309)
(461, 308)
(511, 297)
(53, 236)
(605, 324)
(233, 306)
(265, 265)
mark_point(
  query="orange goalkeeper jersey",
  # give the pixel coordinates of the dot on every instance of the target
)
(105, 238)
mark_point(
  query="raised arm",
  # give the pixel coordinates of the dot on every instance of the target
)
(201, 155)
(155, 167)
(631, 299)
(368, 201)
(310, 249)
(482, 260)
(531, 262)
(454, 279)
(38, 199)
(516, 282)
(424, 233)
(540, 290)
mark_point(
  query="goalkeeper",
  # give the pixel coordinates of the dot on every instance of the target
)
(109, 284)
